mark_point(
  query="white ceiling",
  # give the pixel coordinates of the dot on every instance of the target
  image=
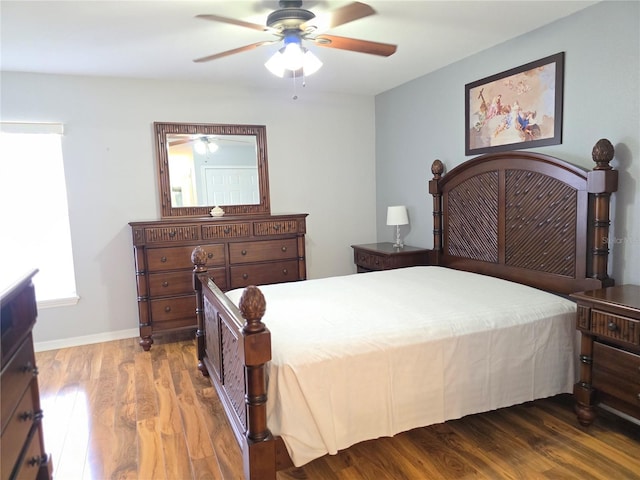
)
(159, 39)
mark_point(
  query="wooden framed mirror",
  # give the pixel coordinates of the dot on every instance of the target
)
(202, 166)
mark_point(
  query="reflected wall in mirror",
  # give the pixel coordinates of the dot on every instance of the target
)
(206, 165)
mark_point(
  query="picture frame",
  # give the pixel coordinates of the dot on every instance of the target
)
(516, 109)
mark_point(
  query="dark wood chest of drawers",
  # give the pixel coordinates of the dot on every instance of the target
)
(609, 322)
(22, 442)
(384, 256)
(241, 251)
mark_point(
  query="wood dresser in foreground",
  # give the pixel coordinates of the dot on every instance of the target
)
(23, 454)
(609, 320)
(241, 251)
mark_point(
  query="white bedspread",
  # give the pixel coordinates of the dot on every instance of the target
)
(370, 355)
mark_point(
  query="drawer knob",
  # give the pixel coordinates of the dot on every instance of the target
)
(227, 230)
(163, 259)
(612, 327)
(276, 227)
(285, 271)
(284, 248)
(243, 252)
(209, 255)
(167, 309)
(245, 275)
(37, 461)
(172, 233)
(26, 416)
(165, 284)
(30, 368)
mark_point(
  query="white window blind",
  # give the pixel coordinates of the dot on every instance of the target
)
(35, 213)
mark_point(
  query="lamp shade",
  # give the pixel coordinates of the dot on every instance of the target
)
(397, 215)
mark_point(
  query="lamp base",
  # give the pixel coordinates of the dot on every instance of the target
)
(398, 243)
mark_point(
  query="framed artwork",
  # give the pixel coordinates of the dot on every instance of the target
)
(515, 109)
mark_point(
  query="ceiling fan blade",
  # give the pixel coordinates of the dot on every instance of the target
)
(339, 16)
(233, 21)
(355, 45)
(234, 51)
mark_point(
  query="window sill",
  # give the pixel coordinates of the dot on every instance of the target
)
(58, 302)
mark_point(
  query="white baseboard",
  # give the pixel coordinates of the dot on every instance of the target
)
(86, 340)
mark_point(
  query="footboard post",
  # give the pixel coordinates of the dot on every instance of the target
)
(602, 181)
(259, 450)
(199, 260)
(436, 169)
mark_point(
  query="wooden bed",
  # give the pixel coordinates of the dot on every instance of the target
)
(518, 216)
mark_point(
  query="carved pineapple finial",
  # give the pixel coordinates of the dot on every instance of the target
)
(437, 168)
(252, 306)
(602, 154)
(199, 258)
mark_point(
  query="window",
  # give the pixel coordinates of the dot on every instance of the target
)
(35, 214)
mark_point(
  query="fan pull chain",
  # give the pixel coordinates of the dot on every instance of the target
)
(295, 84)
(295, 94)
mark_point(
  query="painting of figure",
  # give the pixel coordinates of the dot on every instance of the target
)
(519, 108)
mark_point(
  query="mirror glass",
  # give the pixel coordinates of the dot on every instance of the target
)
(206, 165)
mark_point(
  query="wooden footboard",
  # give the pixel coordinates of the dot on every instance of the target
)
(234, 347)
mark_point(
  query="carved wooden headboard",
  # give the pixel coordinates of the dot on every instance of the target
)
(526, 217)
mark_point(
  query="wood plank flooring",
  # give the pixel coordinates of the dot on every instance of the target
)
(113, 411)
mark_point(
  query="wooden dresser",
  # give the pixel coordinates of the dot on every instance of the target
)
(241, 251)
(609, 321)
(384, 256)
(23, 454)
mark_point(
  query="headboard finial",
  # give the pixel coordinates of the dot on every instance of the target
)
(437, 168)
(602, 154)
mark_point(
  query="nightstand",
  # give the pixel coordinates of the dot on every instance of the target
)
(384, 256)
(609, 322)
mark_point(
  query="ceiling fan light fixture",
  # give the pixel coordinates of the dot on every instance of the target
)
(200, 146)
(293, 57)
(204, 145)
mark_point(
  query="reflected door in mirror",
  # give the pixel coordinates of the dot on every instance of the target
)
(213, 170)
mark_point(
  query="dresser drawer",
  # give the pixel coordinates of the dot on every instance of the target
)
(370, 261)
(265, 273)
(275, 227)
(33, 459)
(249, 252)
(228, 230)
(17, 431)
(174, 258)
(170, 313)
(617, 373)
(172, 233)
(616, 327)
(178, 283)
(16, 378)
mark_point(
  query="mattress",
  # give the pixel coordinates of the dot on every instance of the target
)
(367, 355)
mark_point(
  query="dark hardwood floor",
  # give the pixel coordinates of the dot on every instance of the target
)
(113, 411)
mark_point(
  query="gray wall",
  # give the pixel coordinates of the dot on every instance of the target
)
(315, 167)
(424, 120)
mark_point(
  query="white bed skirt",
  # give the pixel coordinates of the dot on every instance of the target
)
(369, 355)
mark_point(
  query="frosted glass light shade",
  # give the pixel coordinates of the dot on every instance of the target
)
(292, 58)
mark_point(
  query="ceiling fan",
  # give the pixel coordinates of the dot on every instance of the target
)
(293, 24)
